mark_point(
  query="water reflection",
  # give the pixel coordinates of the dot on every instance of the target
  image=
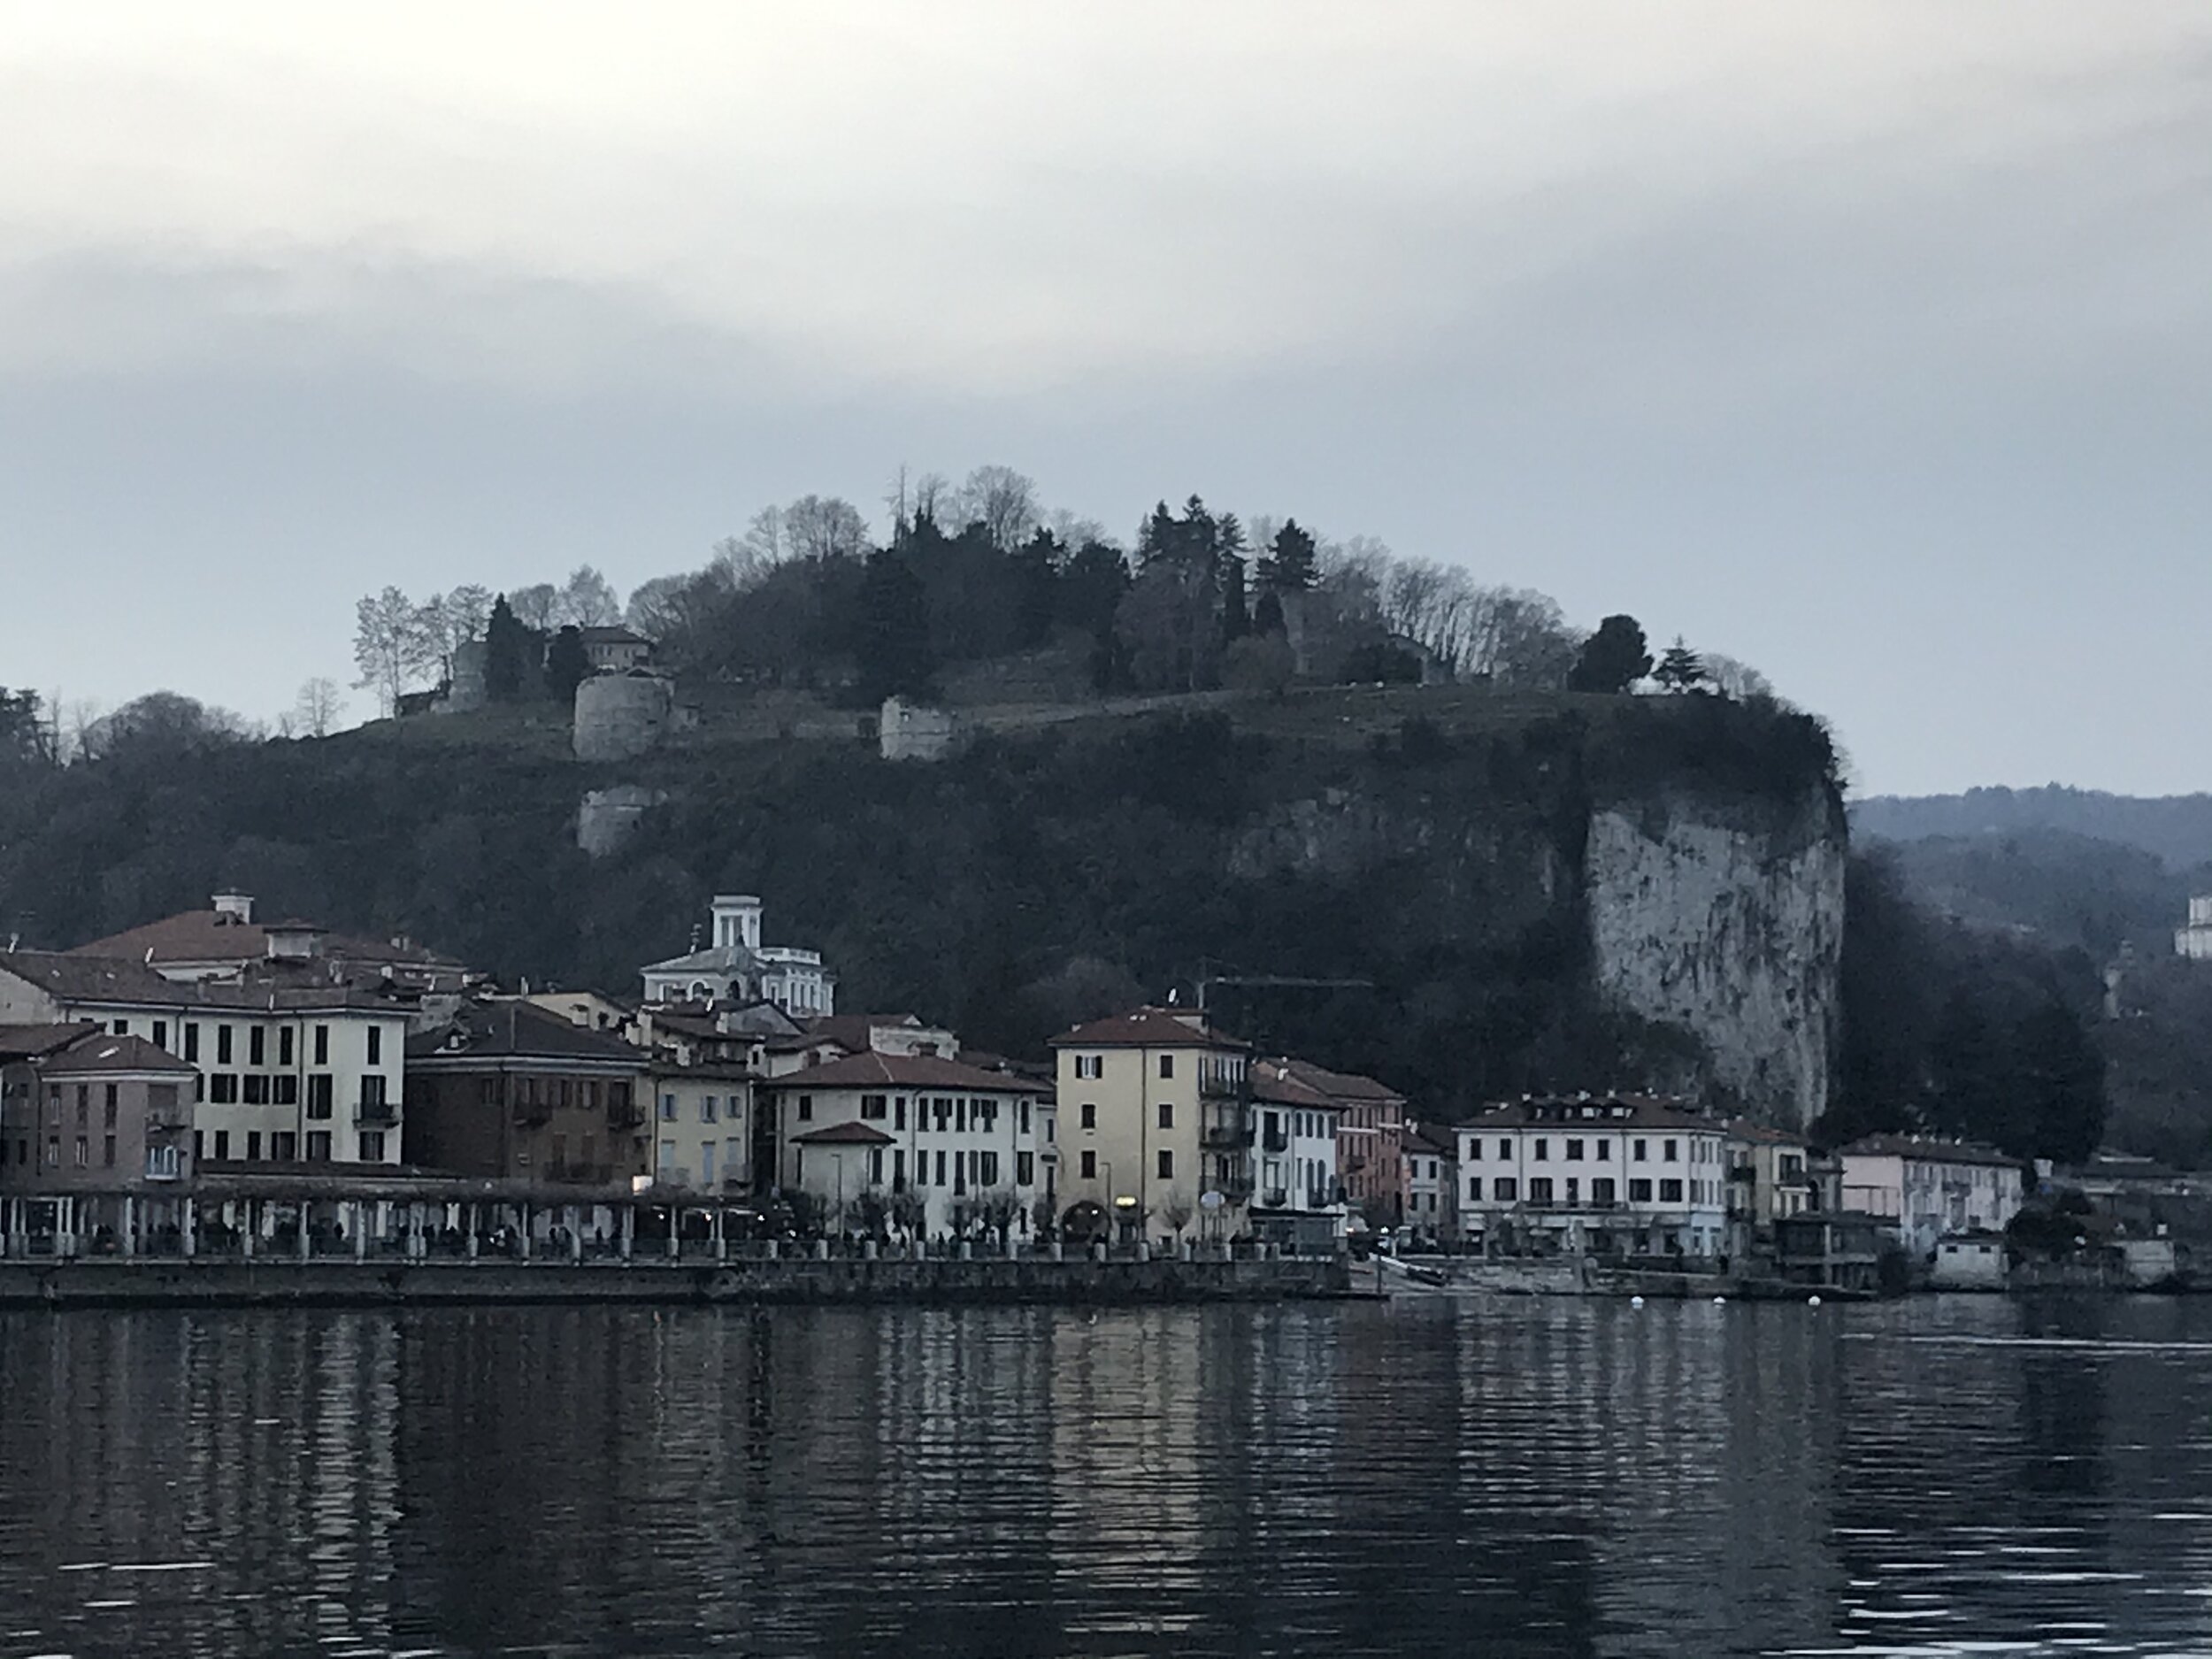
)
(1509, 1478)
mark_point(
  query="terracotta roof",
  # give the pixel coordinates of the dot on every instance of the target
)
(28, 1042)
(855, 1032)
(116, 1053)
(1594, 1111)
(852, 1132)
(602, 633)
(119, 982)
(1744, 1129)
(1927, 1149)
(515, 1029)
(1148, 1028)
(1343, 1085)
(901, 1071)
(1273, 1080)
(215, 936)
(1433, 1138)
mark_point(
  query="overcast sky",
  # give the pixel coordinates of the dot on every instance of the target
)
(1869, 342)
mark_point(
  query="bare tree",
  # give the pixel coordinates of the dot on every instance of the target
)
(933, 497)
(389, 646)
(823, 527)
(537, 606)
(319, 706)
(588, 600)
(1737, 679)
(764, 542)
(1003, 500)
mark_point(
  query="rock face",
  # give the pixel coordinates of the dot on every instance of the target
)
(619, 716)
(1728, 923)
(606, 818)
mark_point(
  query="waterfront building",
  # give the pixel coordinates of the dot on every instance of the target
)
(736, 967)
(1927, 1188)
(703, 1124)
(916, 1142)
(1770, 1180)
(1371, 1140)
(1154, 1115)
(1297, 1194)
(1975, 1260)
(508, 1092)
(82, 1110)
(1608, 1174)
(1432, 1167)
(224, 943)
(285, 1073)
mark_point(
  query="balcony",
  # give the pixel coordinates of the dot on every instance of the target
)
(1274, 1198)
(621, 1118)
(1224, 1133)
(1275, 1141)
(375, 1112)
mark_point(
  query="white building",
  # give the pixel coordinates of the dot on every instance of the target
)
(1297, 1192)
(928, 1144)
(284, 1075)
(1928, 1187)
(736, 967)
(1615, 1174)
(2194, 940)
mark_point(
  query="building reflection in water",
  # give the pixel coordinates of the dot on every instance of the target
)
(1514, 1478)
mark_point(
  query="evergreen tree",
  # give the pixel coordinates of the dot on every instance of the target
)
(1680, 669)
(1267, 616)
(567, 664)
(506, 653)
(2059, 1111)
(1295, 566)
(1612, 659)
(892, 628)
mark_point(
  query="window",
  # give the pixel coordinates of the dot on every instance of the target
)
(875, 1165)
(122, 1027)
(83, 1152)
(1640, 1192)
(318, 1093)
(372, 1146)
(1167, 1164)
(1025, 1169)
(1605, 1151)
(1670, 1191)
(257, 1089)
(192, 1039)
(257, 1045)
(284, 1088)
(253, 1146)
(1574, 1152)
(107, 1151)
(161, 1033)
(1638, 1151)
(284, 1146)
(874, 1105)
(1167, 1114)
(376, 1045)
(708, 1109)
(898, 1112)
(1167, 1065)
(1090, 1065)
(1539, 1190)
(284, 1044)
(1543, 1150)
(53, 1152)
(222, 1045)
(1506, 1189)
(1090, 1166)
(666, 1164)
(668, 1108)
(222, 1088)
(108, 1108)
(322, 1045)
(987, 1169)
(222, 1145)
(1474, 1189)
(1090, 1115)
(806, 1109)
(319, 1145)
(1023, 1110)
(1672, 1155)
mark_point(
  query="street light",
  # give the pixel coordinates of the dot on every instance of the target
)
(1126, 1205)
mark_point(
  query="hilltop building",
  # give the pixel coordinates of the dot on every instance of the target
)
(736, 967)
(2193, 940)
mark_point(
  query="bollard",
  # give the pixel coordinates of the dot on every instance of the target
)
(1144, 1250)
(1186, 1251)
(821, 1249)
(1098, 1251)
(1056, 1255)
(360, 1230)
(868, 1250)
(967, 1251)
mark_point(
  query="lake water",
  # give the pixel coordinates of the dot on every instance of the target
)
(1507, 1477)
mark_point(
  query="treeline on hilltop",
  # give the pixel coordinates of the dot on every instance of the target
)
(807, 597)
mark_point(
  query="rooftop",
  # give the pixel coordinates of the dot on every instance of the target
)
(851, 1134)
(900, 1070)
(1927, 1149)
(119, 982)
(228, 934)
(1148, 1028)
(1596, 1112)
(111, 1053)
(514, 1029)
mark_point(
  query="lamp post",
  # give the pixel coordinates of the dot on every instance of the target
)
(1125, 1206)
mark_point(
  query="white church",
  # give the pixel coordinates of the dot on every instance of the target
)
(736, 967)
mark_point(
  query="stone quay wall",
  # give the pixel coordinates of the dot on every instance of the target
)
(109, 1282)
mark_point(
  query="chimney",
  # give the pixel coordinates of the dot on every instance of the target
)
(237, 906)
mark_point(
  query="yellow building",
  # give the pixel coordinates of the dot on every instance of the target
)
(1154, 1119)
